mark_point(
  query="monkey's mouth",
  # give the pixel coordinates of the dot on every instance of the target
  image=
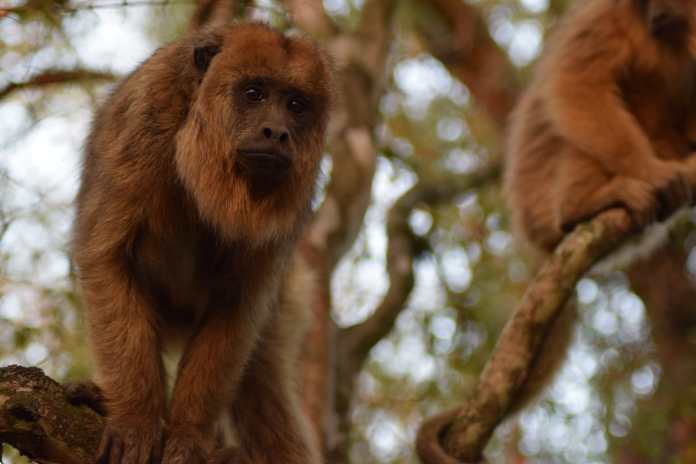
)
(264, 164)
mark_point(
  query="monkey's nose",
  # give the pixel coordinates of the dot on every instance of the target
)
(276, 133)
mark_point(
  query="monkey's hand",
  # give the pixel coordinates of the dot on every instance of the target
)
(638, 198)
(670, 184)
(186, 446)
(646, 203)
(131, 442)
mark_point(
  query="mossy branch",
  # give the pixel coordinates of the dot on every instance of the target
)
(37, 419)
(460, 435)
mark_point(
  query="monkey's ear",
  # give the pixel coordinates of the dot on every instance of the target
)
(203, 55)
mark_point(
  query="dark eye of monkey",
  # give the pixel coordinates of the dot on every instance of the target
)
(254, 93)
(297, 105)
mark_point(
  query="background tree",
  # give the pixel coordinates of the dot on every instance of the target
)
(410, 241)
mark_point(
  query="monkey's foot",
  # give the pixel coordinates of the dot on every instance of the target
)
(130, 444)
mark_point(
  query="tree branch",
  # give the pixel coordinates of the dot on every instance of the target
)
(30, 8)
(358, 340)
(355, 342)
(335, 226)
(56, 76)
(461, 434)
(464, 45)
(37, 419)
(311, 17)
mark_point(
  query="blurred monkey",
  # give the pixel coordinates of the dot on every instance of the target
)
(609, 120)
(605, 120)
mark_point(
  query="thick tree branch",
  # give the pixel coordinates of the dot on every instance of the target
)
(359, 81)
(461, 434)
(56, 76)
(464, 45)
(37, 419)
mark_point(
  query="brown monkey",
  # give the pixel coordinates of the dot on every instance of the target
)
(603, 122)
(607, 121)
(198, 177)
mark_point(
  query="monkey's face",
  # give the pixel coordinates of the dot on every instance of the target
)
(270, 117)
(250, 150)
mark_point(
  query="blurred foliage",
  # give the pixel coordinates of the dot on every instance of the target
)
(468, 278)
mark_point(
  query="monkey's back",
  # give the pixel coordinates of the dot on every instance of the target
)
(128, 158)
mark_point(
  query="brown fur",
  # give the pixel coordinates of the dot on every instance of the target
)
(176, 244)
(607, 121)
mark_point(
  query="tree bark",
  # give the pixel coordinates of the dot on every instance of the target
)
(37, 419)
(360, 61)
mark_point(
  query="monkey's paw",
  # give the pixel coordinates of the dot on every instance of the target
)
(131, 444)
(183, 448)
(671, 187)
(639, 199)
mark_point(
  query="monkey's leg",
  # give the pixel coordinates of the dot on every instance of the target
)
(129, 367)
(266, 415)
(209, 373)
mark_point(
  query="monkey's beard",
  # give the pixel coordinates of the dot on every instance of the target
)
(237, 208)
(264, 173)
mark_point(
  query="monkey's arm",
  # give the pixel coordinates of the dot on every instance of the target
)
(209, 373)
(270, 424)
(129, 368)
(585, 106)
(123, 333)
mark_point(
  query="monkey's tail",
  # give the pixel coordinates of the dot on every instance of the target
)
(428, 441)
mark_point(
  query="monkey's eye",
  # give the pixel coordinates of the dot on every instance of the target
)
(254, 94)
(297, 105)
